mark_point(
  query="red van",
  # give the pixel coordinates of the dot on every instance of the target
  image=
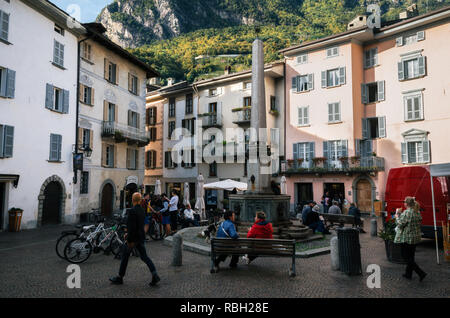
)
(415, 182)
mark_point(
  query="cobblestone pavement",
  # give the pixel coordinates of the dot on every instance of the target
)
(29, 267)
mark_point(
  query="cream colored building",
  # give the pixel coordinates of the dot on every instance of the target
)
(111, 123)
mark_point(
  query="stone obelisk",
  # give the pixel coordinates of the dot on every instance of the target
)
(258, 183)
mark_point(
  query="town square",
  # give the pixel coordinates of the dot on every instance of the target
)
(287, 150)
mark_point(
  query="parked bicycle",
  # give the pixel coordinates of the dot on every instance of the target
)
(156, 228)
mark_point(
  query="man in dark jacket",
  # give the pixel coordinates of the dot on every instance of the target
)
(135, 237)
(357, 214)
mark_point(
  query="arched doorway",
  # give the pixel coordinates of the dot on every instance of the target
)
(364, 195)
(51, 210)
(107, 200)
(129, 190)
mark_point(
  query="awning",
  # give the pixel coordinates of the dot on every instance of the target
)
(228, 185)
(14, 178)
(440, 170)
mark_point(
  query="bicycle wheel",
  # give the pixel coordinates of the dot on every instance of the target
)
(62, 242)
(77, 251)
(115, 245)
(156, 231)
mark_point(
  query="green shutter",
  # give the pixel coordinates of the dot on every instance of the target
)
(357, 147)
(422, 66)
(4, 81)
(404, 152)
(382, 127)
(365, 128)
(310, 82)
(65, 101)
(381, 95)
(2, 133)
(364, 93)
(4, 25)
(312, 146)
(295, 151)
(49, 96)
(342, 77)
(324, 79)
(425, 151)
(401, 72)
(53, 147)
(294, 83)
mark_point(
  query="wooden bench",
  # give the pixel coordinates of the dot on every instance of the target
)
(254, 247)
(341, 219)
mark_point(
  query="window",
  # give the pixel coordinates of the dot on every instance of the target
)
(87, 138)
(151, 116)
(334, 77)
(410, 38)
(371, 57)
(84, 184)
(171, 129)
(133, 84)
(59, 30)
(133, 119)
(373, 128)
(213, 169)
(273, 103)
(6, 141)
(188, 124)
(189, 104)
(86, 95)
(86, 52)
(57, 99)
(111, 72)
(55, 147)
(110, 112)
(7, 82)
(333, 150)
(172, 107)
(109, 156)
(303, 83)
(168, 163)
(372, 92)
(247, 101)
(188, 158)
(363, 148)
(416, 147)
(332, 52)
(247, 85)
(302, 59)
(132, 158)
(334, 112)
(303, 116)
(215, 91)
(58, 54)
(150, 159)
(305, 151)
(4, 26)
(410, 68)
(413, 107)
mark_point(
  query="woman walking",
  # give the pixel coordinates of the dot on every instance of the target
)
(408, 234)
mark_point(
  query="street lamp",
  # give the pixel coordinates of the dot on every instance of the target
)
(87, 151)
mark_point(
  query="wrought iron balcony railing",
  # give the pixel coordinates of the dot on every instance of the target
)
(122, 133)
(242, 116)
(211, 120)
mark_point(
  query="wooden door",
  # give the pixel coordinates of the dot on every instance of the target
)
(52, 204)
(364, 195)
(107, 200)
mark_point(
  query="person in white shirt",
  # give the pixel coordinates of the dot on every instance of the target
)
(189, 217)
(173, 208)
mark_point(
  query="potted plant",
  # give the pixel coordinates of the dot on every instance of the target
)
(318, 160)
(393, 250)
(274, 112)
(300, 161)
(290, 162)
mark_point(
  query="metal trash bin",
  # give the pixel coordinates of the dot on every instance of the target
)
(349, 251)
(15, 218)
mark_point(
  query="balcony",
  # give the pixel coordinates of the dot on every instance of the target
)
(242, 115)
(320, 166)
(211, 120)
(124, 133)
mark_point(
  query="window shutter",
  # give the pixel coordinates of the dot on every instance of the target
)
(344, 148)
(81, 93)
(422, 66)
(312, 151)
(8, 141)
(53, 147)
(10, 83)
(381, 96)
(367, 58)
(375, 56)
(404, 152)
(399, 41)
(324, 79)
(92, 101)
(330, 113)
(80, 138)
(300, 116)
(420, 35)
(105, 111)
(91, 139)
(426, 151)
(166, 159)
(2, 129)
(401, 72)
(4, 19)
(337, 111)
(306, 115)
(342, 76)
(382, 127)
(367, 148)
(295, 151)
(310, 82)
(294, 83)
(114, 157)
(357, 147)
(3, 81)
(364, 93)
(365, 128)
(116, 113)
(106, 69)
(65, 108)
(49, 97)
(104, 164)
(59, 147)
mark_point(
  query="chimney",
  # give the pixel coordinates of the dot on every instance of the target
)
(410, 12)
(359, 21)
(227, 70)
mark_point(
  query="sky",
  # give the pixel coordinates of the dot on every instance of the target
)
(83, 10)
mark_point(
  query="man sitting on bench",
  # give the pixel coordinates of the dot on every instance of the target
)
(227, 230)
(357, 214)
(261, 230)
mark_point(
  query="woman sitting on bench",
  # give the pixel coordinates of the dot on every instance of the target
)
(261, 230)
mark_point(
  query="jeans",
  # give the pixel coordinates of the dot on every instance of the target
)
(126, 251)
(174, 220)
(187, 222)
(408, 253)
(222, 258)
(317, 227)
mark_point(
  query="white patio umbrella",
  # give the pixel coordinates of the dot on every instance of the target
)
(200, 202)
(158, 187)
(186, 194)
(283, 187)
(228, 185)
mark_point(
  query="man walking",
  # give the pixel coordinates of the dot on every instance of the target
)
(135, 237)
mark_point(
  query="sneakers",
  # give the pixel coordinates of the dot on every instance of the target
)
(246, 259)
(155, 280)
(117, 280)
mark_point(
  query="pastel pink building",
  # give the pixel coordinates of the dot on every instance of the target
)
(364, 101)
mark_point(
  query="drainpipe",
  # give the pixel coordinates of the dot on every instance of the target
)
(75, 171)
